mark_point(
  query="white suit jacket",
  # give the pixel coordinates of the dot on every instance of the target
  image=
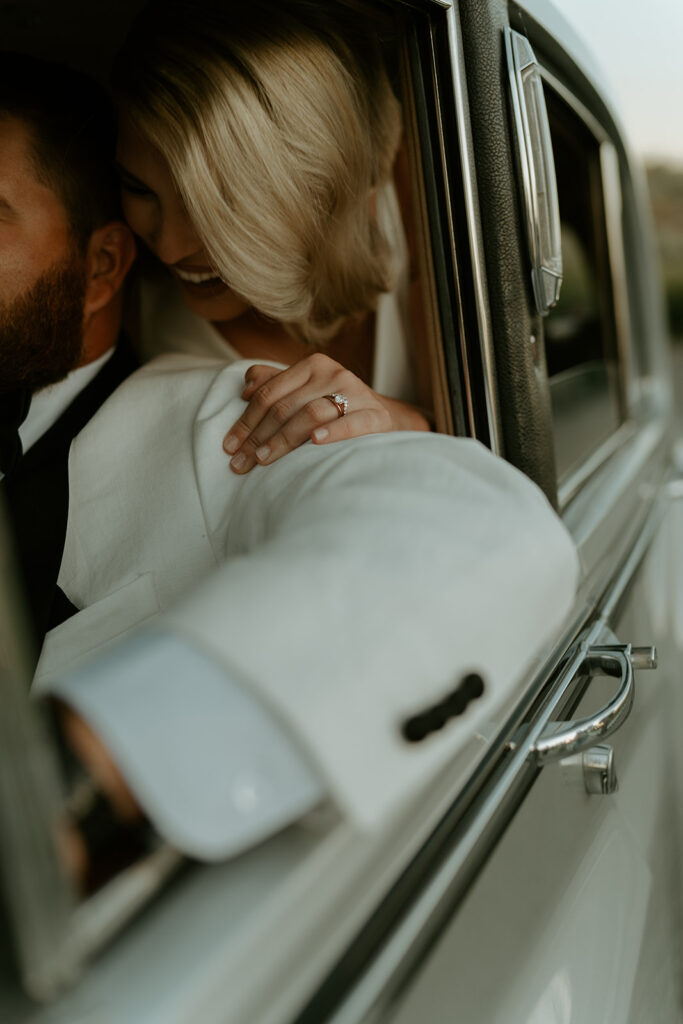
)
(347, 586)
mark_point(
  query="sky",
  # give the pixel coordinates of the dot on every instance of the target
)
(639, 45)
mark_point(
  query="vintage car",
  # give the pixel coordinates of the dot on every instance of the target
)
(536, 880)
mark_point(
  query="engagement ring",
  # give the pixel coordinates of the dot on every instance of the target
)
(340, 402)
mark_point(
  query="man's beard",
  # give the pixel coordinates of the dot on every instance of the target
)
(41, 332)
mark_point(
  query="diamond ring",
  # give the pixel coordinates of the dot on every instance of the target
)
(339, 401)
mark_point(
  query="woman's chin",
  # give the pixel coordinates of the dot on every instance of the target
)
(214, 301)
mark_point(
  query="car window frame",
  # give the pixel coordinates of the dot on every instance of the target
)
(612, 200)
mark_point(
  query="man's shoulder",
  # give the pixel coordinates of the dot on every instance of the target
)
(190, 370)
(154, 448)
(173, 386)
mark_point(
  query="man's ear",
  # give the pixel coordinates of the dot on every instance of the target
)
(111, 251)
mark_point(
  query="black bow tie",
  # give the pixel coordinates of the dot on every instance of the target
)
(13, 411)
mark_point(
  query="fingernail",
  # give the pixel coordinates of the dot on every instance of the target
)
(320, 433)
(239, 461)
(262, 453)
(231, 444)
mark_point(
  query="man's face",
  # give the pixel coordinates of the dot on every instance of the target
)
(42, 275)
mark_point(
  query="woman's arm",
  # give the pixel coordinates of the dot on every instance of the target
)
(289, 407)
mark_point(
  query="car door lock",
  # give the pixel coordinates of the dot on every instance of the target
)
(599, 770)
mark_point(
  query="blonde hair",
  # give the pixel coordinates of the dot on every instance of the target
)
(277, 126)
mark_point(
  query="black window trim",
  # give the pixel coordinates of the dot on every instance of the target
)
(437, 62)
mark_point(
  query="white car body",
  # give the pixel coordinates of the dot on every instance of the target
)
(507, 894)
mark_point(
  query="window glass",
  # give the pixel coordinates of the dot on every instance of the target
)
(580, 332)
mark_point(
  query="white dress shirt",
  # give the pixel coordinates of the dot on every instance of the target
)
(48, 404)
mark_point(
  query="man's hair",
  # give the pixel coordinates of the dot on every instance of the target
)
(278, 122)
(73, 134)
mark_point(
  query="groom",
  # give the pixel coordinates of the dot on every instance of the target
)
(64, 254)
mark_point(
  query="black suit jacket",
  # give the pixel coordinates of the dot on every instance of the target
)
(37, 496)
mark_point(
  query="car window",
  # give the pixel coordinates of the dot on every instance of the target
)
(442, 285)
(582, 341)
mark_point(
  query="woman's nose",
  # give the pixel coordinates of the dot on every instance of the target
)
(174, 238)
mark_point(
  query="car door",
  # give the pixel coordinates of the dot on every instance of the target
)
(554, 895)
(511, 892)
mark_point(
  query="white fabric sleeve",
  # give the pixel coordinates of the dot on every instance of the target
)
(214, 769)
(362, 583)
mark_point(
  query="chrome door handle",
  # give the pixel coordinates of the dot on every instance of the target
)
(573, 737)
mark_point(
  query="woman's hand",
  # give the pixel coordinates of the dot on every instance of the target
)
(288, 407)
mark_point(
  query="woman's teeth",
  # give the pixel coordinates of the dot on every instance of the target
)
(196, 278)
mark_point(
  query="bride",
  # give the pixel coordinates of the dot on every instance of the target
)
(255, 154)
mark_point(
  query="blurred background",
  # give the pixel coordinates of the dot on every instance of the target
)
(640, 49)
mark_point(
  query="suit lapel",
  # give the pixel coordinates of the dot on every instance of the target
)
(37, 495)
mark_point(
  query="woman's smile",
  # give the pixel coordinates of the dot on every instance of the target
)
(203, 282)
(195, 276)
(155, 212)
